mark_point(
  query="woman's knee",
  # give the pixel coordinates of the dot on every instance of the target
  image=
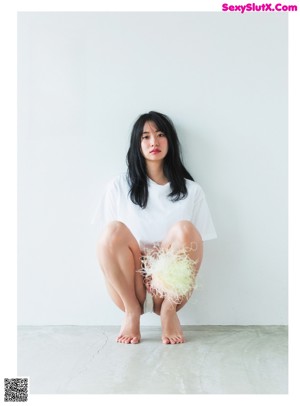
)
(114, 234)
(185, 231)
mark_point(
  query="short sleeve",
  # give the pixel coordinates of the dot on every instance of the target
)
(110, 203)
(201, 217)
(107, 209)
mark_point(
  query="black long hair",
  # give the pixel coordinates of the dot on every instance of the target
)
(174, 169)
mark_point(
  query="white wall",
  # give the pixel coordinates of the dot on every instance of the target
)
(83, 78)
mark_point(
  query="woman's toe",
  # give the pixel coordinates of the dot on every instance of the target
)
(166, 340)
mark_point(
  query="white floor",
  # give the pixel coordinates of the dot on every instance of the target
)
(214, 360)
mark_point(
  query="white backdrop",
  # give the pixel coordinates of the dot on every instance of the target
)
(83, 79)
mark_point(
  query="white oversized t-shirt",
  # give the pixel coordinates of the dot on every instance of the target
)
(150, 225)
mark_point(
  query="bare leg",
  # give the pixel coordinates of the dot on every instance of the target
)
(182, 234)
(119, 258)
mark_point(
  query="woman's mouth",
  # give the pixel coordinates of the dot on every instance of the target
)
(155, 151)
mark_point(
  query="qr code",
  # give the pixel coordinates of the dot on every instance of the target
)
(16, 390)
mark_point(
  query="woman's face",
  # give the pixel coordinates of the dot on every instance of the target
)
(154, 143)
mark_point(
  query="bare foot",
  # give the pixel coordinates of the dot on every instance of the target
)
(130, 331)
(171, 328)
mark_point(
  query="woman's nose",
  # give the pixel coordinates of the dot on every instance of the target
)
(154, 140)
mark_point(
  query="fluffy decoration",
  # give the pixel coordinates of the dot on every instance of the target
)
(171, 273)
